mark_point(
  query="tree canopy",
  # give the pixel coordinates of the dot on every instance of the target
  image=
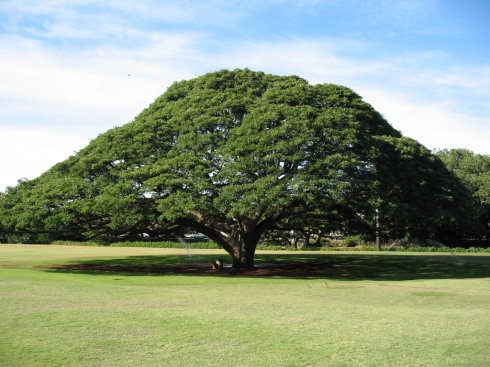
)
(235, 154)
(474, 172)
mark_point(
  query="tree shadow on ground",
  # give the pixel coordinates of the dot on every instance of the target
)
(330, 266)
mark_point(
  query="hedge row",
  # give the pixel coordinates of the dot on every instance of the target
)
(339, 247)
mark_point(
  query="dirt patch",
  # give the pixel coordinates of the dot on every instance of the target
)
(268, 270)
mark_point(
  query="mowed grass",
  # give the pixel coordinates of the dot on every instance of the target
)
(365, 309)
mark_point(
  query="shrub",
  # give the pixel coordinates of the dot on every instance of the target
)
(274, 246)
(352, 241)
(167, 244)
(75, 243)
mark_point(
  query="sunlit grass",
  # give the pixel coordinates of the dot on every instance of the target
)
(361, 312)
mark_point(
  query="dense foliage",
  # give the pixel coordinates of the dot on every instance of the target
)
(474, 172)
(235, 155)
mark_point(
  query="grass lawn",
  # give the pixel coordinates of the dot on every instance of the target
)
(362, 309)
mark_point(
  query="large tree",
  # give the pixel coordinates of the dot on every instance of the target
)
(232, 155)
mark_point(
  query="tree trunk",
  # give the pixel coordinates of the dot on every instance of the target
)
(243, 255)
(318, 242)
(244, 249)
(239, 243)
(378, 241)
(378, 235)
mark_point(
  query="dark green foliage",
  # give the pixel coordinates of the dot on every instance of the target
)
(419, 197)
(167, 244)
(474, 172)
(352, 241)
(235, 155)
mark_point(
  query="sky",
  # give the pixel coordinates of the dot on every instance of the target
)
(72, 69)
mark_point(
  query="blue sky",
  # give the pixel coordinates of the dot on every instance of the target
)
(71, 69)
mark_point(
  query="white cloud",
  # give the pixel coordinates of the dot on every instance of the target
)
(96, 88)
(113, 21)
(26, 153)
(432, 124)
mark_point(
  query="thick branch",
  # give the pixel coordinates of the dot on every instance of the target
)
(221, 238)
(270, 221)
(350, 214)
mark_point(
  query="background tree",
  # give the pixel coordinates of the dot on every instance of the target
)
(418, 196)
(233, 155)
(474, 172)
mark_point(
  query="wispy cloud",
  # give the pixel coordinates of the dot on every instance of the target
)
(96, 82)
(113, 22)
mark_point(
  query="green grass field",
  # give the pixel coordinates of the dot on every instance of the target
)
(364, 309)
